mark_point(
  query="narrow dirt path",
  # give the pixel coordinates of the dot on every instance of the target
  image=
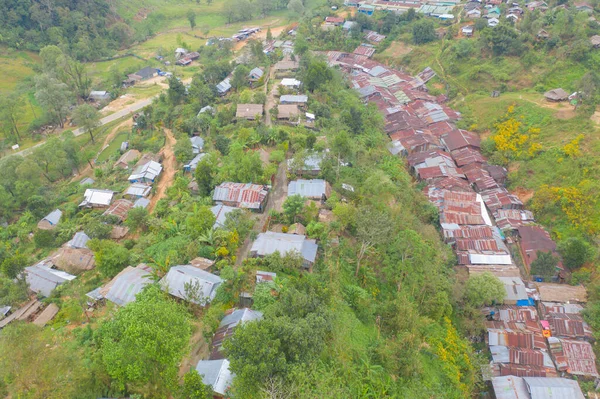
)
(276, 198)
(169, 165)
(270, 96)
(87, 171)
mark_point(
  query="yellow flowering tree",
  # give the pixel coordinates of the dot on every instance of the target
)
(513, 139)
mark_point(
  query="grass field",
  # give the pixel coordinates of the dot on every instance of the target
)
(113, 147)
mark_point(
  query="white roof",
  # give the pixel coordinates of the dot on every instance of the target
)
(514, 287)
(150, 170)
(43, 279)
(315, 188)
(290, 82)
(141, 203)
(179, 277)
(216, 373)
(512, 387)
(94, 196)
(271, 242)
(138, 190)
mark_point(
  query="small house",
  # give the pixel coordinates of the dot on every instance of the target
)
(270, 242)
(94, 198)
(584, 7)
(232, 319)
(300, 99)
(512, 17)
(595, 41)
(50, 221)
(217, 375)
(311, 165)
(316, 189)
(223, 87)
(87, 181)
(366, 9)
(141, 203)
(515, 291)
(120, 208)
(43, 279)
(71, 260)
(265, 277)
(127, 158)
(474, 13)
(99, 96)
(334, 21)
(138, 190)
(364, 49)
(513, 387)
(255, 74)
(242, 195)
(142, 74)
(468, 30)
(191, 284)
(207, 110)
(542, 34)
(146, 173)
(78, 241)
(290, 83)
(197, 144)
(180, 52)
(220, 212)
(288, 111)
(286, 67)
(493, 22)
(249, 111)
(193, 164)
(123, 288)
(349, 25)
(556, 95)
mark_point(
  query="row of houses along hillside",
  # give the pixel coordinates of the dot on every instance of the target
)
(538, 332)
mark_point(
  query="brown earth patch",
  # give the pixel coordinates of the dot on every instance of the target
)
(524, 194)
(397, 49)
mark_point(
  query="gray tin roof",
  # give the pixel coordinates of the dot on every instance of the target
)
(178, 276)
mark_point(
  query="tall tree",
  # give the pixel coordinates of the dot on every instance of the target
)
(484, 289)
(296, 7)
(11, 110)
(374, 227)
(88, 118)
(544, 265)
(54, 96)
(142, 345)
(423, 32)
(191, 16)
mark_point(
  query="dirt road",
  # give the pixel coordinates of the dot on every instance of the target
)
(169, 165)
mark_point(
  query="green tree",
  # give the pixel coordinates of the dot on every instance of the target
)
(95, 228)
(54, 96)
(204, 177)
(13, 266)
(176, 91)
(317, 74)
(142, 345)
(240, 77)
(576, 252)
(544, 265)
(423, 31)
(11, 110)
(88, 118)
(111, 257)
(191, 16)
(296, 7)
(293, 206)
(193, 387)
(269, 34)
(137, 218)
(373, 227)
(200, 221)
(484, 289)
(43, 239)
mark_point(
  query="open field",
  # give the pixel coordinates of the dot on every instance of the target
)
(113, 147)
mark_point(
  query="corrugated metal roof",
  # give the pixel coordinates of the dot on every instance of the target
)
(510, 387)
(141, 203)
(216, 373)
(119, 208)
(555, 388)
(127, 284)
(44, 280)
(220, 212)
(574, 357)
(289, 82)
(249, 111)
(244, 195)
(227, 327)
(179, 277)
(289, 98)
(97, 197)
(53, 217)
(271, 242)
(316, 188)
(224, 86)
(150, 171)
(79, 240)
(138, 190)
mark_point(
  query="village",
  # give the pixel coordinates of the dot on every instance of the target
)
(538, 344)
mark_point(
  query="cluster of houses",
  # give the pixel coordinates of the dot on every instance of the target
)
(184, 57)
(539, 331)
(491, 11)
(245, 33)
(442, 9)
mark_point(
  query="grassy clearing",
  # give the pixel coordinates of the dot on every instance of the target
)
(113, 147)
(15, 67)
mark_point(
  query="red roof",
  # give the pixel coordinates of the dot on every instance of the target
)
(364, 49)
(533, 239)
(574, 357)
(457, 139)
(466, 156)
(334, 20)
